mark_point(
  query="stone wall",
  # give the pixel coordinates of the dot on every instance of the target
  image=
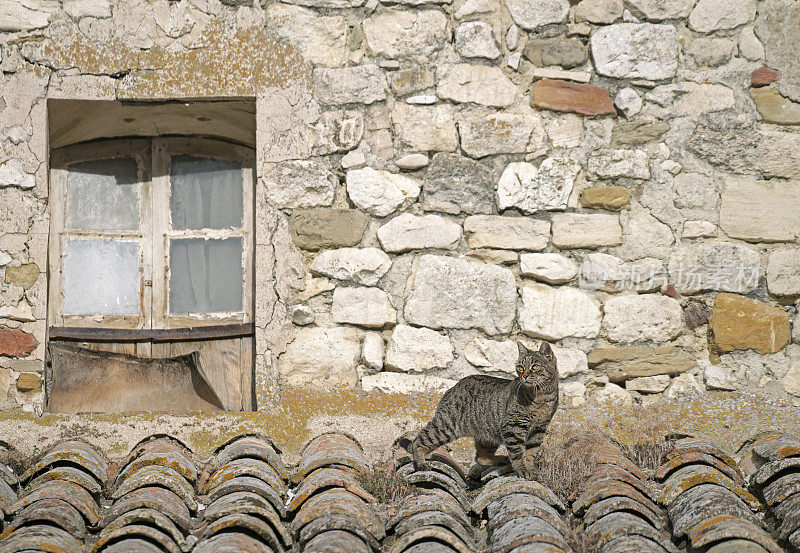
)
(439, 179)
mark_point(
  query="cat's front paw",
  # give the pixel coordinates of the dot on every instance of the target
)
(528, 473)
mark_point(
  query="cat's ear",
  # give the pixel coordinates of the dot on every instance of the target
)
(546, 351)
(522, 349)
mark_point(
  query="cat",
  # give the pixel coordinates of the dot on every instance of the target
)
(497, 411)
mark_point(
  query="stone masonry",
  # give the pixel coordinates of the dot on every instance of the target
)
(437, 180)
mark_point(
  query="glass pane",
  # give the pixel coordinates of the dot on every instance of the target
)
(206, 193)
(101, 277)
(205, 275)
(103, 195)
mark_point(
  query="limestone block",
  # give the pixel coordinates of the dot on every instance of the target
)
(612, 198)
(648, 384)
(574, 394)
(615, 163)
(457, 293)
(372, 351)
(501, 133)
(717, 377)
(475, 40)
(552, 268)
(529, 14)
(509, 233)
(565, 131)
(611, 394)
(338, 131)
(783, 272)
(29, 383)
(418, 349)
(325, 228)
(323, 3)
(774, 108)
(738, 322)
(760, 211)
(598, 11)
(749, 45)
(406, 384)
(580, 230)
(636, 51)
(380, 192)
(322, 358)
(406, 81)
(691, 99)
(714, 265)
(563, 52)
(556, 313)
(408, 232)
(529, 189)
(362, 84)
(25, 15)
(713, 15)
(628, 133)
(321, 40)
(659, 10)
(636, 318)
(492, 355)
(456, 184)
(684, 386)
(699, 229)
(570, 361)
(403, 34)
(24, 275)
(360, 265)
(624, 363)
(776, 28)
(370, 307)
(12, 173)
(300, 183)
(412, 162)
(425, 127)
(709, 52)
(479, 84)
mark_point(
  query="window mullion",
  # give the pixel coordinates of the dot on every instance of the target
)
(160, 228)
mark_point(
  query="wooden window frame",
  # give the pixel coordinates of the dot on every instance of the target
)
(153, 323)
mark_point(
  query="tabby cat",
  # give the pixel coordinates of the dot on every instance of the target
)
(497, 411)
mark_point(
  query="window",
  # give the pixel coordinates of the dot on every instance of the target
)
(150, 238)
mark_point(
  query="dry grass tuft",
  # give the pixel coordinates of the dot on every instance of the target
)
(650, 437)
(385, 485)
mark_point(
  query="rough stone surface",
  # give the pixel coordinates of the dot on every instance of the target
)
(636, 51)
(638, 318)
(714, 265)
(570, 362)
(624, 363)
(699, 229)
(713, 15)
(407, 384)
(418, 349)
(628, 133)
(475, 40)
(556, 313)
(24, 275)
(322, 358)
(648, 384)
(455, 184)
(16, 343)
(776, 28)
(362, 84)
(749, 45)
(612, 198)
(320, 39)
(372, 351)
(360, 265)
(659, 10)
(783, 272)
(741, 323)
(408, 232)
(774, 108)
(717, 377)
(319, 229)
(370, 307)
(501, 133)
(552, 268)
(479, 84)
(628, 101)
(610, 164)
(509, 233)
(558, 95)
(529, 14)
(709, 52)
(380, 192)
(764, 76)
(299, 184)
(574, 394)
(565, 52)
(614, 395)
(684, 386)
(456, 293)
(29, 383)
(760, 211)
(402, 34)
(598, 11)
(579, 230)
(425, 127)
(529, 189)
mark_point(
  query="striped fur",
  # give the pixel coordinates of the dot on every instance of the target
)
(495, 411)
